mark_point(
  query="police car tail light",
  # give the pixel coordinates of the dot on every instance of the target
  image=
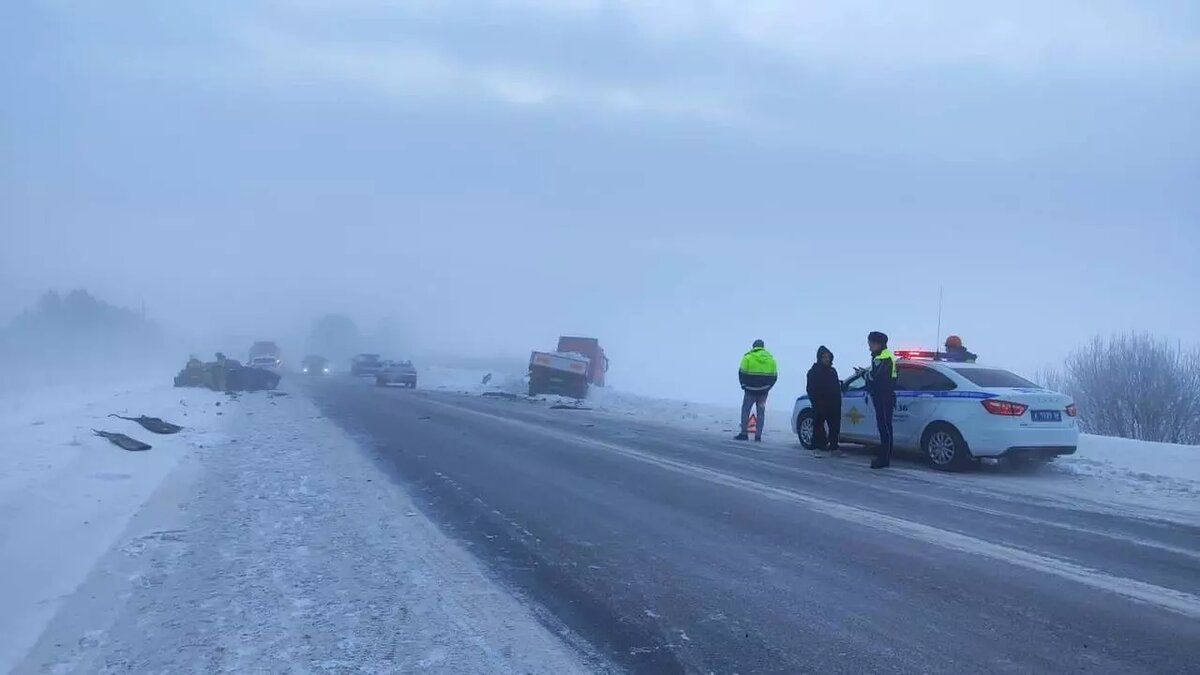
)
(1007, 408)
(1072, 410)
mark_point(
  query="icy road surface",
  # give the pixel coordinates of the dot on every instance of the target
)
(674, 550)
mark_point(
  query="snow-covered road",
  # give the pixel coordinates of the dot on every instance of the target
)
(677, 549)
(275, 546)
(267, 538)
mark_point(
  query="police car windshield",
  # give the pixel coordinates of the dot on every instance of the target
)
(994, 377)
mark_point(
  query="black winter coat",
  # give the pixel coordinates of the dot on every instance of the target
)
(824, 386)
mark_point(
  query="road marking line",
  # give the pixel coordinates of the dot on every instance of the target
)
(849, 478)
(1166, 598)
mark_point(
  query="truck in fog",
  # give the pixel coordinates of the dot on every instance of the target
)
(265, 354)
(561, 373)
(589, 347)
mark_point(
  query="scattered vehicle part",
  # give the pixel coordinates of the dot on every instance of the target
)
(152, 424)
(122, 441)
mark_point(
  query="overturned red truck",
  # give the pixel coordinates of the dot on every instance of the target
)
(579, 362)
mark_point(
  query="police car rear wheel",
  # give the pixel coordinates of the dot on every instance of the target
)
(806, 428)
(945, 448)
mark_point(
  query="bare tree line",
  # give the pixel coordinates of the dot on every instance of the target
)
(1133, 385)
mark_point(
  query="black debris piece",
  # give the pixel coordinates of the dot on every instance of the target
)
(122, 441)
(562, 406)
(500, 394)
(153, 424)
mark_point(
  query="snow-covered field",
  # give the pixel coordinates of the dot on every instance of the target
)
(67, 495)
(261, 539)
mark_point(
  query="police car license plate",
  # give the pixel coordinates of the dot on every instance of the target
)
(1046, 416)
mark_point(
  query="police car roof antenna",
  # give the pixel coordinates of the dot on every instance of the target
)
(939, 328)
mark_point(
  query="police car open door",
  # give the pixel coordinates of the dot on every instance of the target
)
(919, 390)
(858, 415)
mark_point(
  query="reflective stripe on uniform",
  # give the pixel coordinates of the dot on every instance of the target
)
(887, 354)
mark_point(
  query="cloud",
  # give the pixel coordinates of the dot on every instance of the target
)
(417, 71)
(1015, 37)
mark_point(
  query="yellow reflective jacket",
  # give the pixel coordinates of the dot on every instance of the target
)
(758, 371)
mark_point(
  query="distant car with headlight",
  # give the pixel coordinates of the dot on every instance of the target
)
(315, 365)
(957, 413)
(402, 373)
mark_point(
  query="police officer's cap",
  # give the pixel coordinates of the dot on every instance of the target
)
(877, 337)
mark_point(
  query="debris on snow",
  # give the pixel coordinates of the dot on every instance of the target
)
(152, 424)
(122, 441)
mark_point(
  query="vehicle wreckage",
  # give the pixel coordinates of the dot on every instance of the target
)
(225, 374)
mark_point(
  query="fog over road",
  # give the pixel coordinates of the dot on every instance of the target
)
(673, 551)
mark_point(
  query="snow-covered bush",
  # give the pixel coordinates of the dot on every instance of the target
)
(1133, 385)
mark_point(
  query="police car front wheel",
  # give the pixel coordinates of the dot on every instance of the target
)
(945, 448)
(806, 429)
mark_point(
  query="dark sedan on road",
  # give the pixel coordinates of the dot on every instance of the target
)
(403, 373)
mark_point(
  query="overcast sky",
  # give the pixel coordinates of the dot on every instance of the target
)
(676, 178)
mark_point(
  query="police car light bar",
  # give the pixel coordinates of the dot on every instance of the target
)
(917, 354)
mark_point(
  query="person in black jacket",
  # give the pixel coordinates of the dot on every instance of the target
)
(825, 392)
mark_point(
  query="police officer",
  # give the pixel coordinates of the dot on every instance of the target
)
(757, 374)
(881, 385)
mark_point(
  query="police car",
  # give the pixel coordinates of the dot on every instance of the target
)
(957, 413)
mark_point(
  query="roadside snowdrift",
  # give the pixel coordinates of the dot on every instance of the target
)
(66, 495)
(1174, 468)
(260, 539)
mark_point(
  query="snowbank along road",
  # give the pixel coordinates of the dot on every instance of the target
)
(349, 528)
(279, 547)
(674, 551)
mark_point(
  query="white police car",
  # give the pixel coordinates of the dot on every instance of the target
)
(956, 413)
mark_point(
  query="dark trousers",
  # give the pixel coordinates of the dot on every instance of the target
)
(758, 400)
(885, 408)
(830, 418)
